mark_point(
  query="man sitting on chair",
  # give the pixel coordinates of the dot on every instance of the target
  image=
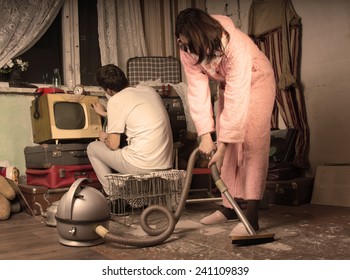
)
(138, 112)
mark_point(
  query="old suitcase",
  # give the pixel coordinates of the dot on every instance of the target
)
(58, 176)
(176, 113)
(145, 68)
(48, 155)
(168, 71)
(175, 109)
(293, 192)
(282, 171)
(40, 198)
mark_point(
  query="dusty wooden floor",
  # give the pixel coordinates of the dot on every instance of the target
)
(307, 231)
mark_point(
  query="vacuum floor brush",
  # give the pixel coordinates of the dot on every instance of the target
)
(252, 238)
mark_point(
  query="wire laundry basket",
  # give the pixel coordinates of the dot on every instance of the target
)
(130, 194)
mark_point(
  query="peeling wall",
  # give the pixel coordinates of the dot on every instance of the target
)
(16, 128)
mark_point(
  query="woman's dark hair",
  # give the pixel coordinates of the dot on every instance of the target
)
(202, 32)
(111, 77)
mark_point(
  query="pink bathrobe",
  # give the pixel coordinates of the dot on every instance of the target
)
(244, 110)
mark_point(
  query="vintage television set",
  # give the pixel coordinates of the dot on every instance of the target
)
(64, 118)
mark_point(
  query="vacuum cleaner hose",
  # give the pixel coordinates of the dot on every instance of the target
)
(147, 241)
(157, 236)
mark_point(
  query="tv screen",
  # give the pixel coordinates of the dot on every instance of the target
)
(69, 115)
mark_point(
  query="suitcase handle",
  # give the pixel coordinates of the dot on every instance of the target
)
(79, 153)
(82, 174)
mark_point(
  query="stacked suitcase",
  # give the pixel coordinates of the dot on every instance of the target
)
(292, 192)
(51, 169)
(285, 184)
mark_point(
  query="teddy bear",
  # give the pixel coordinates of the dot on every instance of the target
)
(7, 194)
(9, 177)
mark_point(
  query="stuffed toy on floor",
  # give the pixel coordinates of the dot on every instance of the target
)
(7, 194)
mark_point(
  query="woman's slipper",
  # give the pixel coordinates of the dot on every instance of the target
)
(216, 218)
(239, 230)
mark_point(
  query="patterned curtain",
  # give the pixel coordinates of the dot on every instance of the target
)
(22, 23)
(159, 21)
(281, 45)
(120, 30)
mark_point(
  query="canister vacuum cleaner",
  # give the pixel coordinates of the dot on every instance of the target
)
(83, 215)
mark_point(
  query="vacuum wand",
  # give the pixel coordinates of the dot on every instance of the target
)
(223, 189)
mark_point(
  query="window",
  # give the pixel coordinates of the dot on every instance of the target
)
(70, 44)
(90, 58)
(45, 55)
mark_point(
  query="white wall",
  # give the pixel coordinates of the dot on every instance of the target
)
(325, 68)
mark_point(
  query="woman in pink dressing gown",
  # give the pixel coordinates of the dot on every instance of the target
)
(212, 48)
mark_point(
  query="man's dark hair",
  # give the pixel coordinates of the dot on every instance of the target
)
(202, 31)
(111, 77)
